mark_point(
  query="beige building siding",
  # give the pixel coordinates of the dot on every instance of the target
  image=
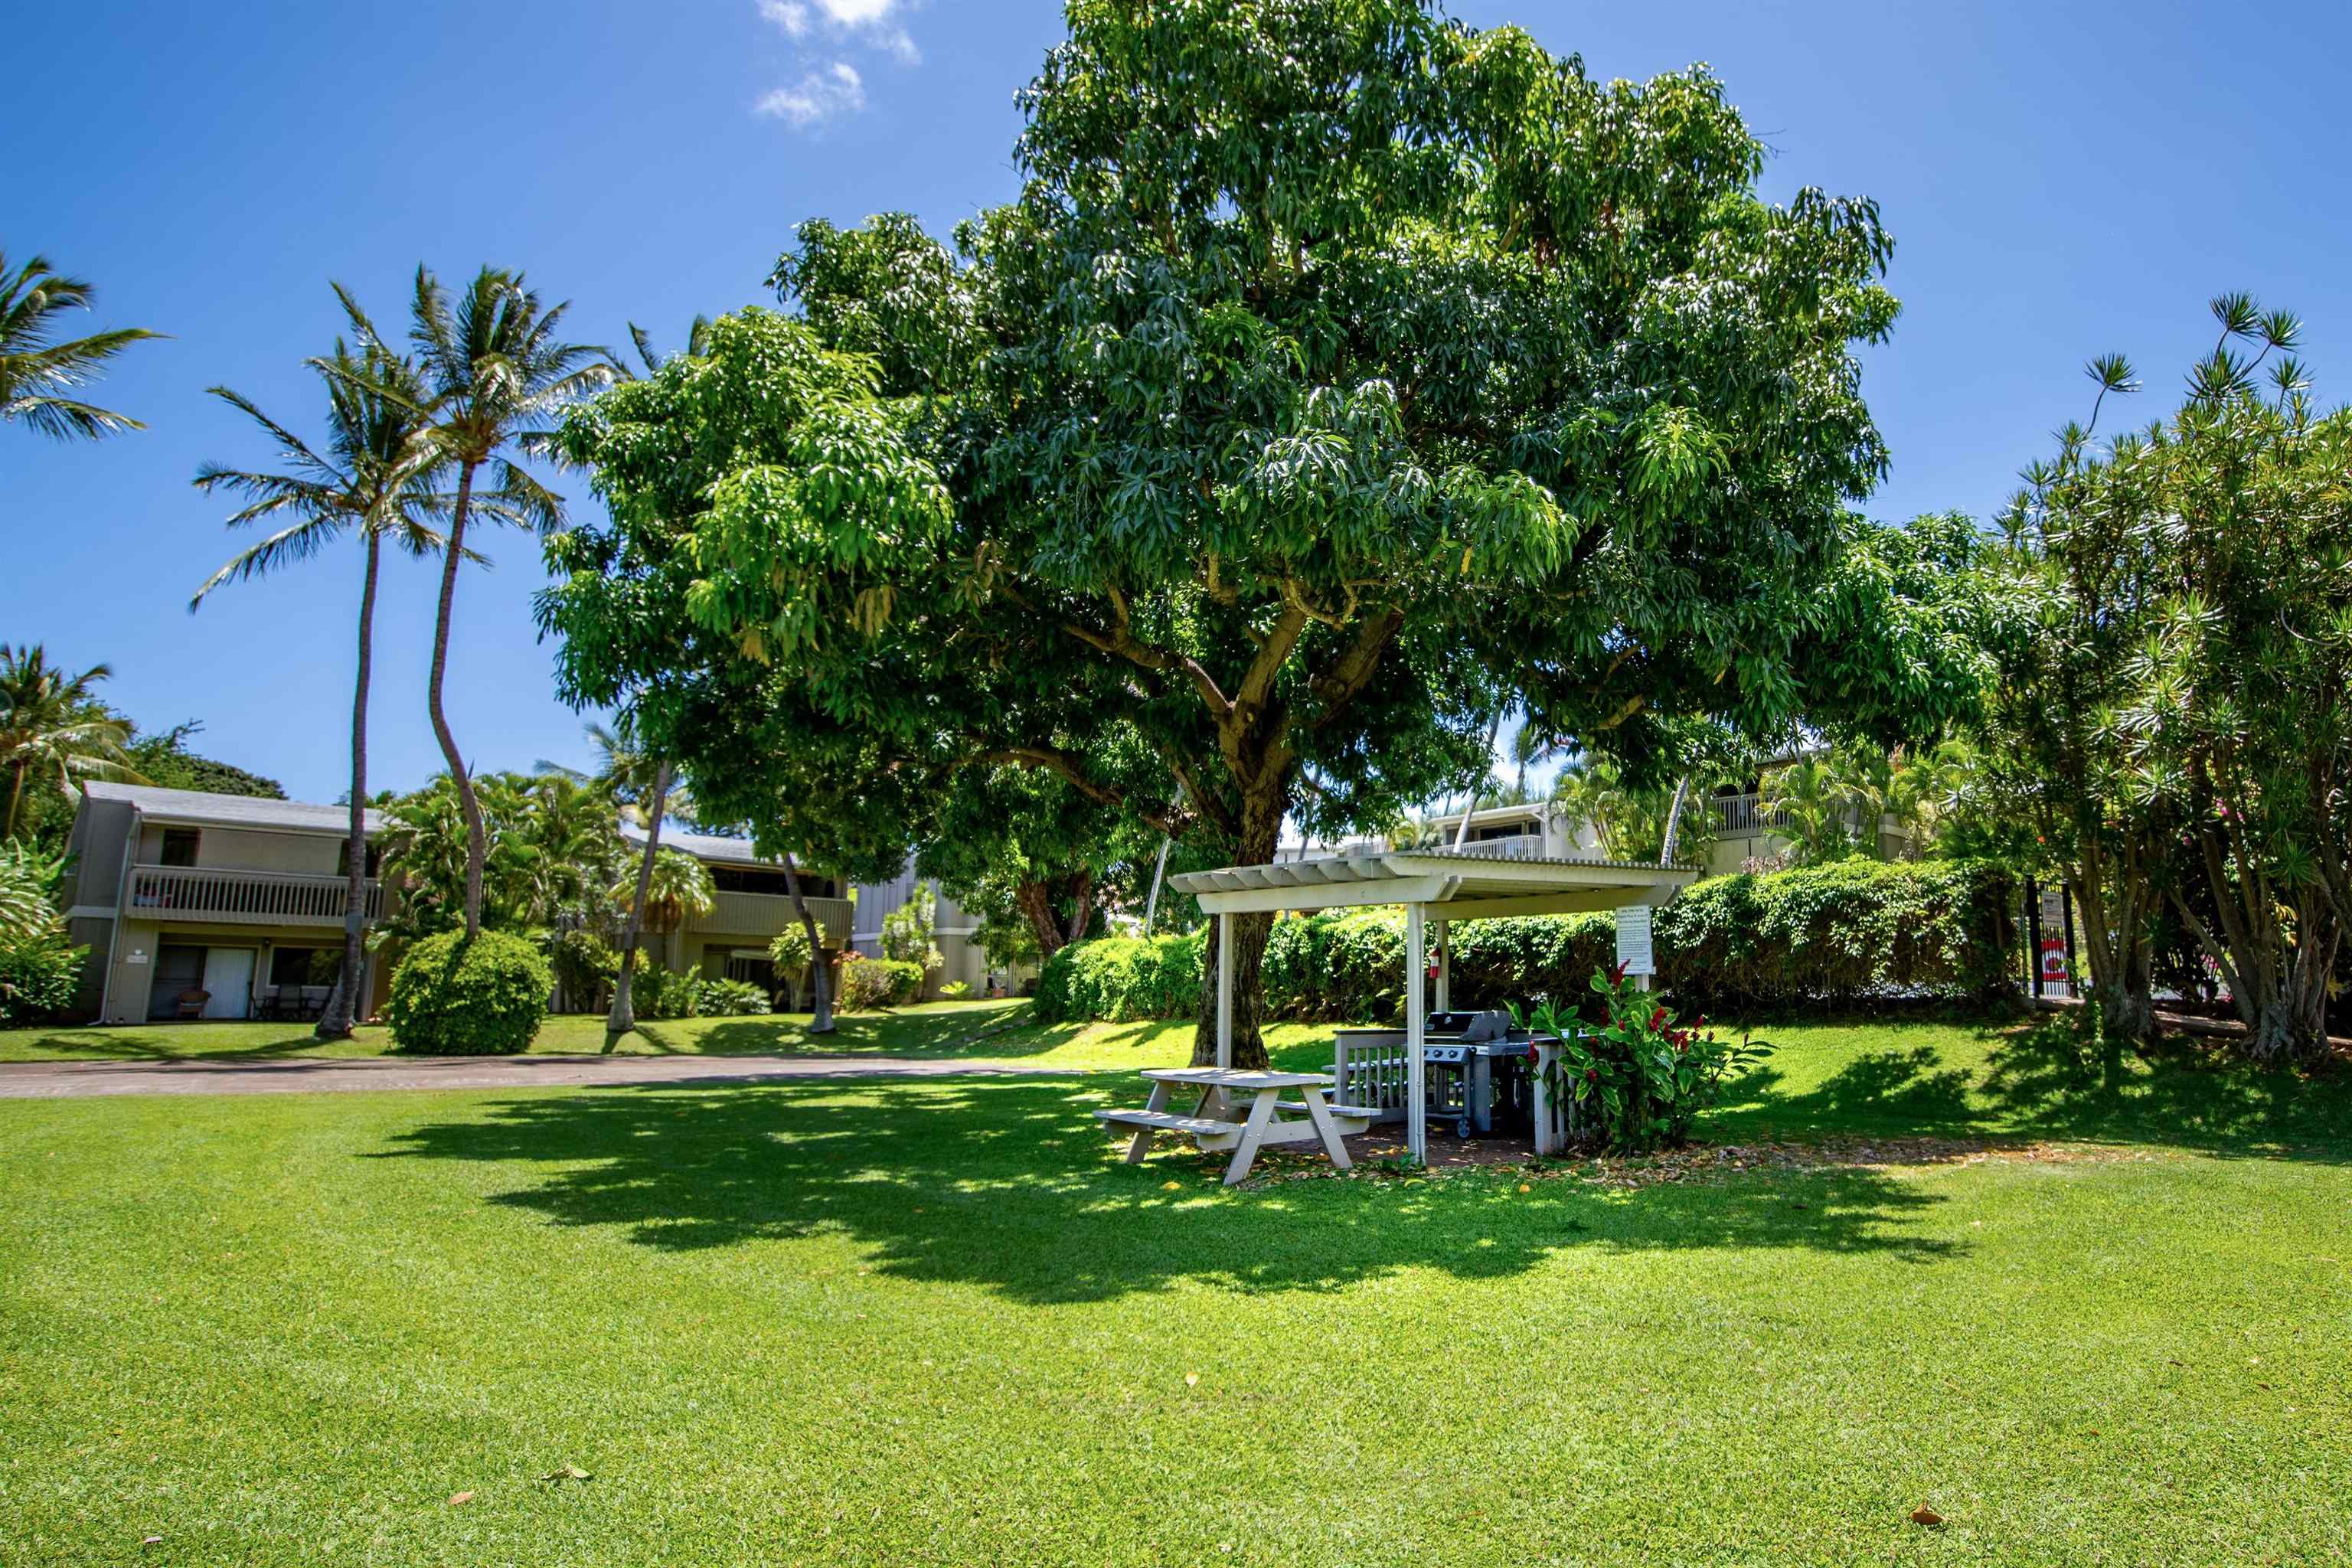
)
(264, 882)
(954, 931)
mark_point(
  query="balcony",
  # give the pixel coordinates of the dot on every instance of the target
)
(763, 915)
(1516, 847)
(241, 898)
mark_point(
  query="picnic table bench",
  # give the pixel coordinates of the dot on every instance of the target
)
(1242, 1110)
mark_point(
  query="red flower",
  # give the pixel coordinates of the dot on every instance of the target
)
(1593, 1075)
(1657, 1019)
(1617, 972)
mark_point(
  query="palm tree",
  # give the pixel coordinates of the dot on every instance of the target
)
(52, 725)
(495, 369)
(374, 478)
(35, 373)
(677, 886)
(1817, 796)
(639, 784)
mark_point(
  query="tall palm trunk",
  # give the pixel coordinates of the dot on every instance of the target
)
(624, 1015)
(1674, 820)
(344, 1004)
(15, 799)
(820, 973)
(475, 844)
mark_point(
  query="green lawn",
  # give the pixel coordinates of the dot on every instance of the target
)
(938, 1321)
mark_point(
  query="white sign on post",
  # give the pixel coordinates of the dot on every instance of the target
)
(1633, 939)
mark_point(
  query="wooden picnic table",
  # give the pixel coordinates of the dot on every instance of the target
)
(1242, 1110)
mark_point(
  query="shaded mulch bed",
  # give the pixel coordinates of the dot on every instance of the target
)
(1380, 1153)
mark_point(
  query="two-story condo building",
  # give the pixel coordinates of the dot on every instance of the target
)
(218, 906)
(751, 907)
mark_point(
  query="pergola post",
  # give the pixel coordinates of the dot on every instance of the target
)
(1224, 991)
(1416, 1098)
(1445, 1000)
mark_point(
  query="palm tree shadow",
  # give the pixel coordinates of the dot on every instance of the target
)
(1010, 1184)
(138, 1046)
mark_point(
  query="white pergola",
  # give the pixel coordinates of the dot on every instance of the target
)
(1431, 886)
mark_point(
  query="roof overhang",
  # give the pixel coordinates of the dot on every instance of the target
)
(1456, 887)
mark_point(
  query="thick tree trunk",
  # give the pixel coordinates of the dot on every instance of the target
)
(1036, 902)
(475, 845)
(820, 971)
(1082, 904)
(343, 1004)
(1261, 813)
(624, 1016)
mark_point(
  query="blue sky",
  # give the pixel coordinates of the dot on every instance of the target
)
(2061, 180)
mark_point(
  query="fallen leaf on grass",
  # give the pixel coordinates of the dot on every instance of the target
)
(1924, 1515)
(1192, 1379)
(1172, 1186)
(152, 1541)
(457, 1498)
(567, 1473)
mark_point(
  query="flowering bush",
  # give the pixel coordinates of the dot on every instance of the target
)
(1638, 1082)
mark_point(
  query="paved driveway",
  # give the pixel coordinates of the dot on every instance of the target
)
(308, 1075)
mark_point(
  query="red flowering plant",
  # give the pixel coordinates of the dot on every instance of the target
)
(1636, 1083)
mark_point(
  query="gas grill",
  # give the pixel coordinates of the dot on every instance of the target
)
(1476, 1068)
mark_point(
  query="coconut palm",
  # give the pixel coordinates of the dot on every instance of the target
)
(53, 727)
(35, 373)
(495, 369)
(372, 478)
(639, 784)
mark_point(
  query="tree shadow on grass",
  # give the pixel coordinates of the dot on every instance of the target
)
(2182, 1092)
(1907, 1091)
(170, 1043)
(1010, 1185)
(933, 1035)
(2045, 1081)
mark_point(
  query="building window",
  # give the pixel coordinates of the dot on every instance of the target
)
(305, 965)
(179, 846)
(343, 858)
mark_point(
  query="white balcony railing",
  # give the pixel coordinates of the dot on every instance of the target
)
(763, 915)
(1518, 846)
(241, 898)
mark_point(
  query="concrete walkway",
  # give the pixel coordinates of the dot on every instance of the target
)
(310, 1074)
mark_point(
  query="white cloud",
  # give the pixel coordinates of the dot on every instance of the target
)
(872, 22)
(817, 96)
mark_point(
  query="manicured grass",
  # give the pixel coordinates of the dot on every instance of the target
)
(938, 1321)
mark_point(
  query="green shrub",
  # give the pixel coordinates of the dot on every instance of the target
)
(877, 983)
(459, 998)
(584, 965)
(658, 992)
(731, 998)
(955, 991)
(1827, 936)
(39, 973)
(1830, 935)
(1122, 977)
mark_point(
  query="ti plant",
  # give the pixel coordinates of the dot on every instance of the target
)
(1637, 1083)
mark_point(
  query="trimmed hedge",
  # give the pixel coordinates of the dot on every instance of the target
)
(1830, 935)
(1825, 936)
(1121, 978)
(451, 997)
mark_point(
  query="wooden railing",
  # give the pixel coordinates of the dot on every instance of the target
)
(765, 914)
(241, 898)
